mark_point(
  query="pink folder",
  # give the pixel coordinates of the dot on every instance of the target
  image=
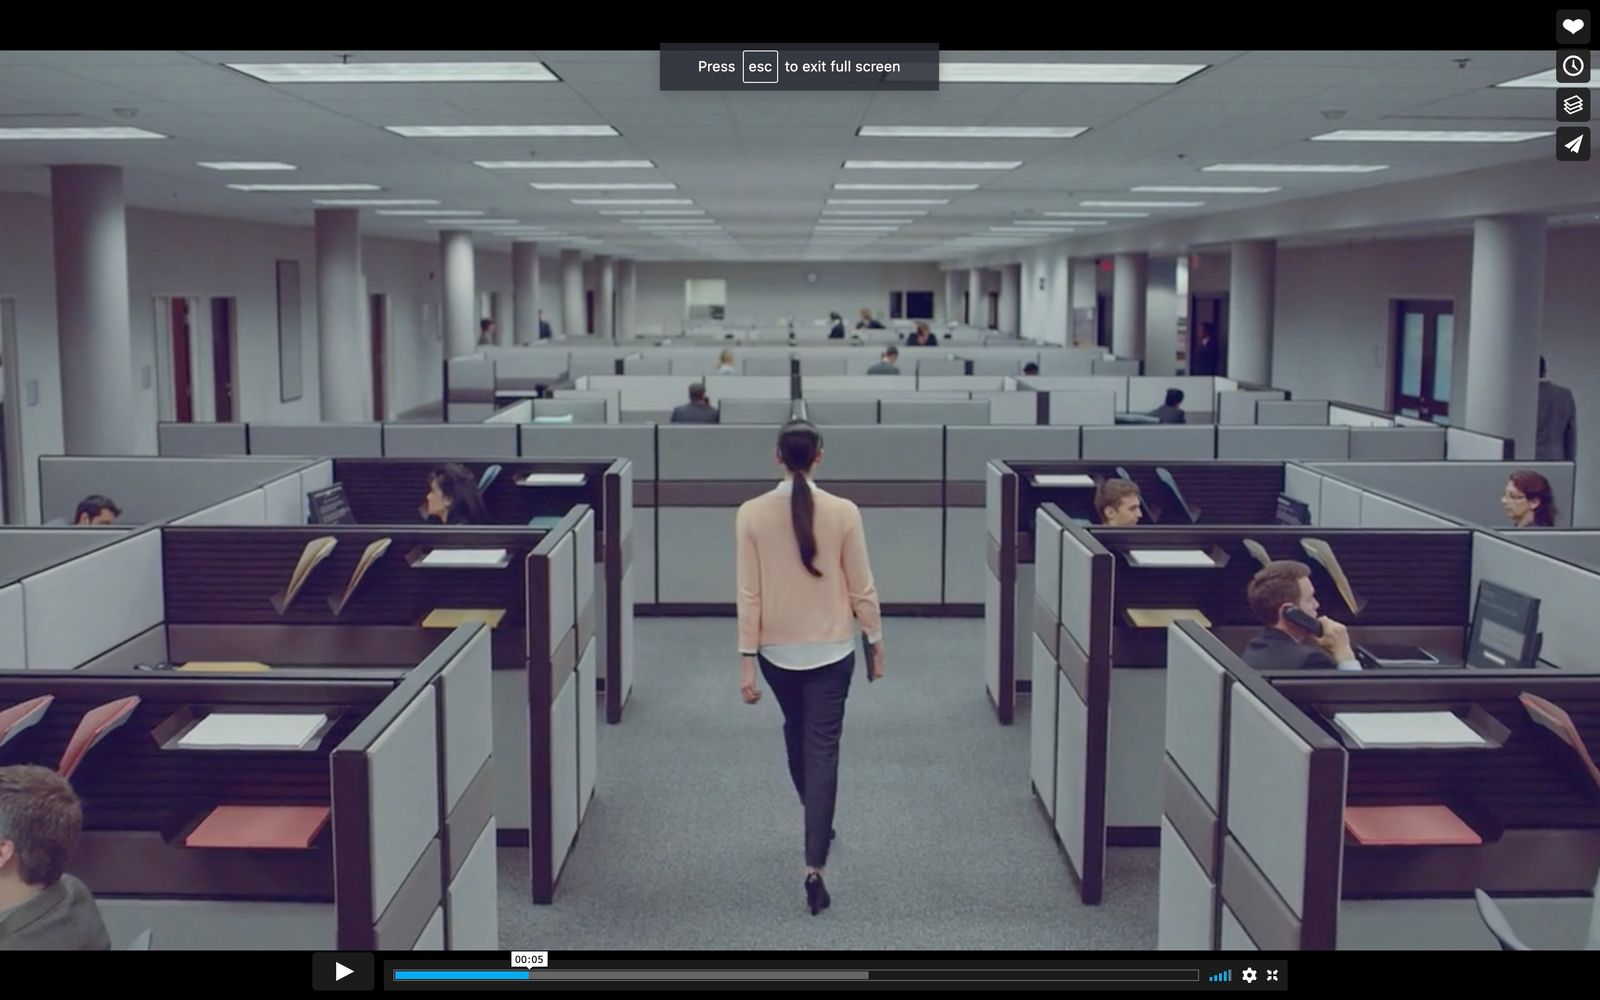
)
(1407, 826)
(96, 724)
(264, 827)
(15, 719)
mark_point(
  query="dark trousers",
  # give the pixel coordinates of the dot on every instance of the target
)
(813, 718)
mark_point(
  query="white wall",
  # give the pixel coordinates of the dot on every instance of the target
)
(1045, 312)
(1161, 317)
(1572, 349)
(28, 275)
(760, 293)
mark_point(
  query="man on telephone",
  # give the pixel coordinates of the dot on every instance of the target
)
(1296, 637)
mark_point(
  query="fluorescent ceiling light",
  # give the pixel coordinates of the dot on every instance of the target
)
(499, 131)
(1001, 72)
(856, 229)
(1201, 189)
(246, 165)
(873, 211)
(371, 202)
(866, 222)
(470, 223)
(1542, 79)
(932, 164)
(403, 72)
(905, 187)
(566, 164)
(603, 186)
(1424, 135)
(431, 213)
(1295, 168)
(633, 201)
(305, 187)
(1028, 232)
(969, 132)
(106, 132)
(888, 201)
(1102, 215)
(1058, 222)
(652, 211)
(1143, 204)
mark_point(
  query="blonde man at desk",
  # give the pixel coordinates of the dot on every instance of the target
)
(41, 907)
(1280, 592)
(1118, 503)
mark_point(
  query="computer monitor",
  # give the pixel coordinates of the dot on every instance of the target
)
(1292, 511)
(1505, 629)
(329, 506)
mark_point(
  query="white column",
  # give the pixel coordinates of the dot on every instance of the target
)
(627, 299)
(504, 316)
(460, 293)
(1503, 330)
(952, 296)
(1083, 303)
(1011, 299)
(92, 310)
(343, 344)
(525, 289)
(605, 309)
(977, 308)
(1130, 283)
(572, 311)
(1251, 294)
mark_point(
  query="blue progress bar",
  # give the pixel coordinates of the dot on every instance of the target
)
(458, 975)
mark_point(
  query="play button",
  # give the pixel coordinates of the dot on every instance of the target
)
(343, 972)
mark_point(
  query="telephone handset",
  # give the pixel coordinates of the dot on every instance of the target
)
(1300, 618)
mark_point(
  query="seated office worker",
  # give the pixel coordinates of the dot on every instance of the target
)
(1118, 503)
(1276, 589)
(41, 907)
(1528, 500)
(867, 322)
(96, 510)
(725, 363)
(453, 496)
(1031, 368)
(803, 581)
(1171, 412)
(698, 410)
(887, 365)
(488, 333)
(835, 326)
(921, 337)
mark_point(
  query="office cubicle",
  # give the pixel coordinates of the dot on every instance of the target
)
(218, 490)
(1580, 547)
(1216, 492)
(382, 836)
(1260, 784)
(1467, 491)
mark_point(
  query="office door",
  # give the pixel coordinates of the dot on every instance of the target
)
(966, 308)
(1424, 350)
(223, 349)
(588, 311)
(378, 318)
(994, 310)
(1209, 313)
(11, 403)
(182, 369)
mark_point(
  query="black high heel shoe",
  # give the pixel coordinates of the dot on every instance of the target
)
(816, 893)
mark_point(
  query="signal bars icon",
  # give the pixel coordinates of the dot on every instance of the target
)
(1225, 976)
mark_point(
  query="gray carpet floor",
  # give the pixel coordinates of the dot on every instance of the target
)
(694, 839)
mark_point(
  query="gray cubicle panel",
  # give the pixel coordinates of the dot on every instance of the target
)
(966, 412)
(767, 412)
(1238, 406)
(682, 362)
(767, 365)
(1010, 364)
(526, 368)
(1461, 444)
(102, 605)
(1118, 384)
(1157, 442)
(720, 387)
(1116, 366)
(934, 366)
(1286, 443)
(1080, 407)
(647, 366)
(1037, 610)
(852, 409)
(1292, 412)
(830, 365)
(318, 440)
(201, 439)
(704, 473)
(960, 383)
(593, 362)
(465, 696)
(582, 411)
(1397, 444)
(455, 441)
(1068, 362)
(1352, 417)
(968, 452)
(149, 488)
(1576, 546)
(1012, 407)
(1000, 588)
(470, 383)
(874, 384)
(1568, 594)
(1467, 490)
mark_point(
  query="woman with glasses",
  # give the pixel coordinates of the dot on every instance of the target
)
(1528, 500)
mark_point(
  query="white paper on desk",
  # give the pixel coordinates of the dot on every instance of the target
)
(1047, 479)
(1170, 557)
(1432, 729)
(252, 731)
(463, 557)
(552, 479)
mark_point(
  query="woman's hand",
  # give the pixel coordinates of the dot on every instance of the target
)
(749, 687)
(876, 664)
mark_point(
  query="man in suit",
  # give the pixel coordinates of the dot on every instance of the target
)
(1558, 422)
(1204, 361)
(41, 907)
(698, 410)
(887, 366)
(1171, 412)
(1276, 588)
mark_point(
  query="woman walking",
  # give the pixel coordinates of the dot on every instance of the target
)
(802, 574)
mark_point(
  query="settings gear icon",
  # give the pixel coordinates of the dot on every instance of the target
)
(1249, 975)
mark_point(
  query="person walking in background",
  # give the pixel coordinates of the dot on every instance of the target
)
(802, 575)
(1558, 422)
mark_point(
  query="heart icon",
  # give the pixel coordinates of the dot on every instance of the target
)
(1573, 25)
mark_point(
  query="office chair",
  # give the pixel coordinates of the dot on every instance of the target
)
(487, 479)
(142, 942)
(1497, 923)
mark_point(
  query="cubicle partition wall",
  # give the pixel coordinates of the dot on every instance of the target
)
(469, 388)
(1464, 445)
(1581, 547)
(1261, 784)
(536, 493)
(1428, 605)
(1467, 491)
(1217, 492)
(380, 830)
(232, 490)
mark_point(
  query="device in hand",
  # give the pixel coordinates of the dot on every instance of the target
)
(866, 652)
(1303, 620)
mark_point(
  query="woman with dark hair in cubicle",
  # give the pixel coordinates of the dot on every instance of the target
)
(836, 329)
(803, 573)
(921, 336)
(1528, 501)
(453, 496)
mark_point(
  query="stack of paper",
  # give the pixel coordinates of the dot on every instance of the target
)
(1370, 730)
(451, 617)
(552, 479)
(1051, 479)
(252, 731)
(1170, 557)
(465, 559)
(1162, 617)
